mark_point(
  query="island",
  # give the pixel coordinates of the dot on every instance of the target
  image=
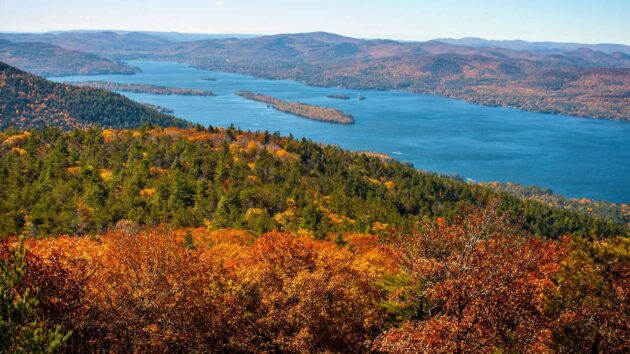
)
(339, 96)
(142, 88)
(323, 114)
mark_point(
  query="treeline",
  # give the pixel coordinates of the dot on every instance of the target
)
(87, 181)
(324, 114)
(142, 88)
(476, 284)
(28, 101)
(619, 213)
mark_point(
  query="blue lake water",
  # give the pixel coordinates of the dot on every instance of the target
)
(576, 157)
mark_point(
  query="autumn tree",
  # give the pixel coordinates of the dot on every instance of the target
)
(21, 329)
(479, 286)
(309, 296)
(590, 302)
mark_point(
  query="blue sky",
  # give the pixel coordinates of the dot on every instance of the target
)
(587, 21)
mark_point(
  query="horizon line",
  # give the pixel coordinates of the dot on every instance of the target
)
(307, 32)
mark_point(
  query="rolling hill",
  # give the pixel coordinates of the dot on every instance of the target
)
(29, 101)
(45, 59)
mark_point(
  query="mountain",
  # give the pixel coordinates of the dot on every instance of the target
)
(580, 82)
(28, 101)
(608, 48)
(103, 43)
(190, 37)
(45, 59)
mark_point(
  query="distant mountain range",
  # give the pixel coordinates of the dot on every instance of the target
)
(564, 78)
(28, 101)
(536, 46)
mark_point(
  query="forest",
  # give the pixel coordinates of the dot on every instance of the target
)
(29, 101)
(476, 284)
(220, 240)
(322, 114)
(86, 181)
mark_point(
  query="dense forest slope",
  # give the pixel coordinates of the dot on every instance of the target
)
(29, 101)
(88, 181)
(364, 255)
(45, 59)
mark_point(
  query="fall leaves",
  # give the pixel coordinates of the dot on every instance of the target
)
(476, 284)
(480, 286)
(151, 291)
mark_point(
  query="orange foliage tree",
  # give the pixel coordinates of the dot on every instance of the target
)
(478, 286)
(156, 290)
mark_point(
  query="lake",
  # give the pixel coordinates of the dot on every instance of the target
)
(576, 157)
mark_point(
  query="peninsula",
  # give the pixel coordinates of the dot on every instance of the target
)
(142, 88)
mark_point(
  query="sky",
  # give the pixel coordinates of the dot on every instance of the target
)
(584, 21)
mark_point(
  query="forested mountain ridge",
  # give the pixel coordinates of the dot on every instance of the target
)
(45, 59)
(580, 82)
(88, 181)
(29, 101)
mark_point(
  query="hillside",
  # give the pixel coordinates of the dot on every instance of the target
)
(30, 101)
(107, 44)
(50, 60)
(333, 251)
(88, 181)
